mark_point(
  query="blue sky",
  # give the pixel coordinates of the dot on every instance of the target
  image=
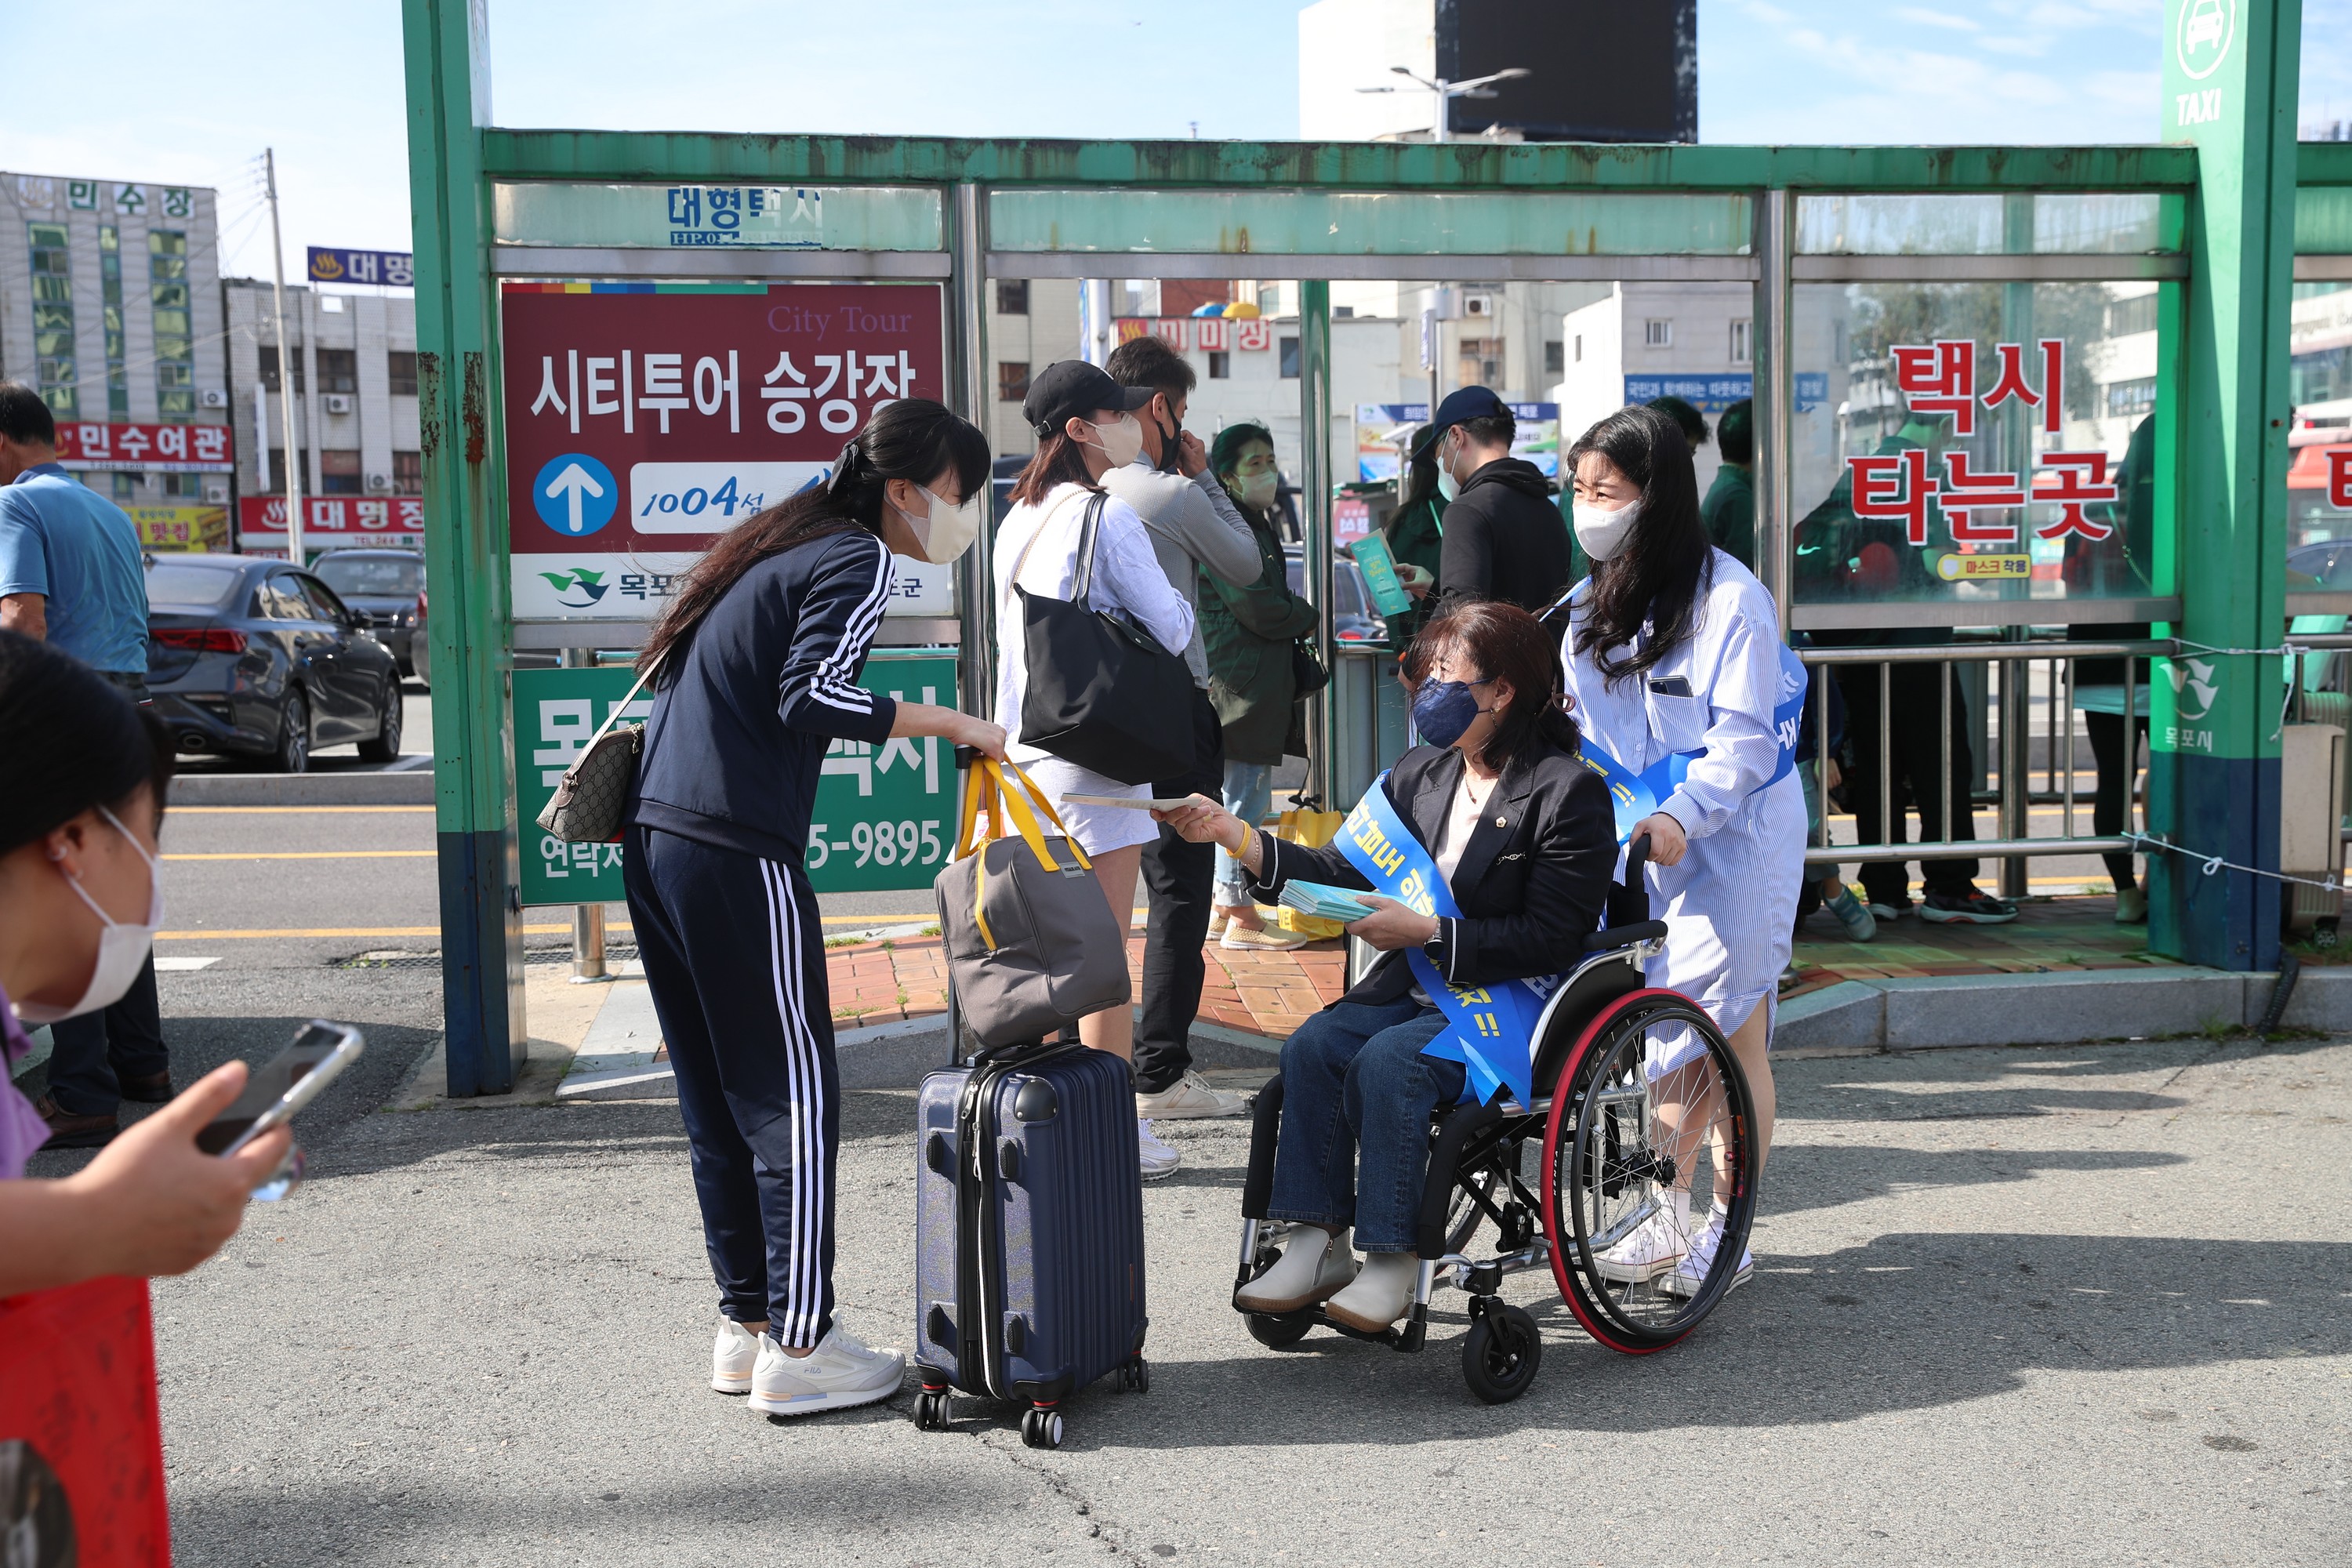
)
(161, 97)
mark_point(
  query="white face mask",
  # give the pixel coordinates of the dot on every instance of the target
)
(944, 532)
(1121, 440)
(1448, 487)
(122, 949)
(1259, 491)
(1602, 533)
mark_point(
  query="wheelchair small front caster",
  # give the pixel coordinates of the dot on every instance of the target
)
(1042, 1428)
(1280, 1332)
(931, 1410)
(1501, 1353)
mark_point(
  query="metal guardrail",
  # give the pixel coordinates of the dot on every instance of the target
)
(2015, 698)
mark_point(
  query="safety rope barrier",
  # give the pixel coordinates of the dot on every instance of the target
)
(2150, 844)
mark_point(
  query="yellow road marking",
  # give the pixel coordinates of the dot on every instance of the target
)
(313, 855)
(348, 931)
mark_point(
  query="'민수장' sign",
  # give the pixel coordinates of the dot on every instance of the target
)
(645, 420)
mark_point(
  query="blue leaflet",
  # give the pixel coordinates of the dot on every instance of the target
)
(1493, 1026)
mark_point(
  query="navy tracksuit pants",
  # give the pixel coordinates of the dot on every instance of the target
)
(734, 956)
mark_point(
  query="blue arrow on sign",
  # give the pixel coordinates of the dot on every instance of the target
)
(574, 494)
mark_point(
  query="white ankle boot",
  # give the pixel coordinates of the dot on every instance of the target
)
(1314, 1264)
(1380, 1294)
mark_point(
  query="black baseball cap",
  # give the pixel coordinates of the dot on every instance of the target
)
(1071, 388)
(1462, 403)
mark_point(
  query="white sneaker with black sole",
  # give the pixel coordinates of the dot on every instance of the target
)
(732, 1356)
(1651, 1247)
(839, 1375)
(1685, 1277)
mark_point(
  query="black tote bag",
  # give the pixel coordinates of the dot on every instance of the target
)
(1102, 692)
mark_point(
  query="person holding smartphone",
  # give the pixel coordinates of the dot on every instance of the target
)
(82, 779)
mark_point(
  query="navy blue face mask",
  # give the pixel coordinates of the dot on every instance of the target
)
(1444, 710)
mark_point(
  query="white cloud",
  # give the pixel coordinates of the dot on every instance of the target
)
(1927, 18)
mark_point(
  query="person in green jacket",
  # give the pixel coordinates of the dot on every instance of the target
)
(1415, 536)
(1249, 633)
(1729, 510)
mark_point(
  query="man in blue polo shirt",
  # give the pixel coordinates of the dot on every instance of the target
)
(72, 573)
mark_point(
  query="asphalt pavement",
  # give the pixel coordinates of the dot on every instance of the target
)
(2083, 1304)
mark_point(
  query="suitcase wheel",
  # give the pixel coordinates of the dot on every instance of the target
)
(1135, 1376)
(1042, 1428)
(931, 1410)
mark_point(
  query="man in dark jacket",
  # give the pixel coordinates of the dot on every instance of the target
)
(1503, 535)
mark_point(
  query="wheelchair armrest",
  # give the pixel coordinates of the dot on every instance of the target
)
(1257, 1183)
(1611, 937)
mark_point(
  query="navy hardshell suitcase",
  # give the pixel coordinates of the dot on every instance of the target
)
(1029, 1232)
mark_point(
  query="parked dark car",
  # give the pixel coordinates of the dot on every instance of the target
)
(382, 586)
(254, 657)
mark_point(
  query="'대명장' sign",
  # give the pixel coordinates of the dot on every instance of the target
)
(1939, 380)
(643, 421)
(330, 519)
(393, 269)
(147, 448)
(884, 817)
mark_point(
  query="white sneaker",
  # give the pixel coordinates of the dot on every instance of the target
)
(732, 1356)
(1686, 1276)
(1190, 1096)
(1651, 1247)
(1314, 1266)
(1380, 1294)
(1158, 1159)
(839, 1373)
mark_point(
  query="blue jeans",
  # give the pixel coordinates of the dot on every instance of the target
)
(1249, 790)
(1357, 1095)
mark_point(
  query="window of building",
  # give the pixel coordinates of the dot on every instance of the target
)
(269, 369)
(1743, 342)
(1288, 349)
(1580, 348)
(110, 298)
(2130, 399)
(176, 351)
(339, 471)
(338, 370)
(1555, 357)
(1482, 361)
(400, 370)
(125, 487)
(1658, 333)
(2137, 314)
(1012, 296)
(183, 486)
(408, 473)
(1220, 365)
(53, 319)
(1011, 380)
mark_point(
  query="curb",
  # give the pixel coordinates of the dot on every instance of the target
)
(2052, 1008)
(396, 785)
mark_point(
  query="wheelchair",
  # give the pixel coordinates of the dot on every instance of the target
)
(1637, 1099)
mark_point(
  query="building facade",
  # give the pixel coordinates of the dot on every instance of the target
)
(110, 306)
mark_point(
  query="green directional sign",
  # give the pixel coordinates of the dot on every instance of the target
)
(886, 814)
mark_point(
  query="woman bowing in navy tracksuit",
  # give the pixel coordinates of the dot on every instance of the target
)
(757, 662)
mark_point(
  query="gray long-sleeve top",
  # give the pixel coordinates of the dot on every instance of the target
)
(1189, 521)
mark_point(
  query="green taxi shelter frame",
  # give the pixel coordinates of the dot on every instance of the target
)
(2229, 227)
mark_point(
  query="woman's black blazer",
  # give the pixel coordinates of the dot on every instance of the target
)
(1531, 884)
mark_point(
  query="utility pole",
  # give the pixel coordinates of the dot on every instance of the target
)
(285, 372)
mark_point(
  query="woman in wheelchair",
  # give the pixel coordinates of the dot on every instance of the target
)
(1523, 834)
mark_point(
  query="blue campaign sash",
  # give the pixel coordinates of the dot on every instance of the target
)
(1635, 795)
(1491, 1030)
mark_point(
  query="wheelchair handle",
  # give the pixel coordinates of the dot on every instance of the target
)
(1637, 855)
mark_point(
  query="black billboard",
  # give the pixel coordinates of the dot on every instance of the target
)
(1602, 70)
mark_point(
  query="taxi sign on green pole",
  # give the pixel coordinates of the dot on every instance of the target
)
(885, 813)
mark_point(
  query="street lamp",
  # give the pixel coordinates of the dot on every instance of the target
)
(1476, 87)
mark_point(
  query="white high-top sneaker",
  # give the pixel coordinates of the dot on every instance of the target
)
(1651, 1247)
(1315, 1265)
(732, 1356)
(840, 1372)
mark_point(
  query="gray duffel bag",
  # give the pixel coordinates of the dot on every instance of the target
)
(1030, 942)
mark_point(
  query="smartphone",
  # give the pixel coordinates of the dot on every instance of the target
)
(291, 1080)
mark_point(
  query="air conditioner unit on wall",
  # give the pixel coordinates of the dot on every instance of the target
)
(339, 402)
(216, 492)
(378, 483)
(1479, 308)
(214, 397)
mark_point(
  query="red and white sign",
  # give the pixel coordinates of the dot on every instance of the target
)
(147, 448)
(1203, 333)
(696, 403)
(2339, 479)
(338, 519)
(1254, 337)
(1941, 378)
